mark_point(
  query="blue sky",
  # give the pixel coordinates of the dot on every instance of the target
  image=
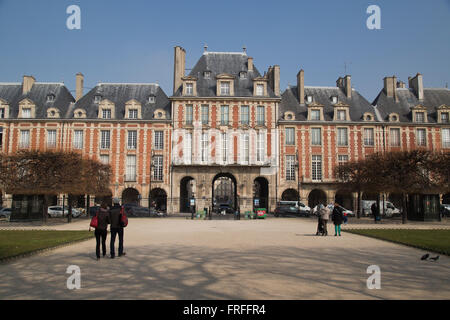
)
(132, 41)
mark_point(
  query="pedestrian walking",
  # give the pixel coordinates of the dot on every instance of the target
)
(375, 211)
(115, 215)
(101, 229)
(337, 218)
(324, 215)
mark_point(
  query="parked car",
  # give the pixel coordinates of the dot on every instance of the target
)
(289, 210)
(134, 210)
(389, 208)
(224, 207)
(349, 213)
(305, 210)
(5, 212)
(57, 211)
(445, 210)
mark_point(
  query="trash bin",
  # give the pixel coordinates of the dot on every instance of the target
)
(261, 213)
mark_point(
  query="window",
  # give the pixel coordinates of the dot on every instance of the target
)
(207, 74)
(259, 89)
(2, 113)
(225, 88)
(78, 139)
(189, 89)
(421, 137)
(368, 137)
(1, 138)
(244, 115)
(420, 117)
(205, 114)
(315, 114)
(446, 138)
(245, 148)
(224, 115)
(158, 168)
(290, 136)
(189, 114)
(132, 140)
(242, 74)
(316, 136)
(394, 137)
(444, 117)
(342, 159)
(316, 168)
(309, 99)
(188, 148)
(51, 138)
(151, 99)
(104, 158)
(131, 168)
(97, 99)
(26, 113)
(106, 113)
(50, 98)
(132, 113)
(24, 141)
(260, 116)
(290, 168)
(224, 147)
(105, 139)
(340, 115)
(159, 140)
(260, 146)
(334, 99)
(342, 138)
(204, 147)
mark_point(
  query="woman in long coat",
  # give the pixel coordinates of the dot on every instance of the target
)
(337, 218)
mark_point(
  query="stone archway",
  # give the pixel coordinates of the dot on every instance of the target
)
(289, 195)
(317, 196)
(261, 192)
(187, 190)
(130, 195)
(158, 196)
(224, 190)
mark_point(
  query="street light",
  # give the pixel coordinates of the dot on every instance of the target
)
(152, 165)
(297, 165)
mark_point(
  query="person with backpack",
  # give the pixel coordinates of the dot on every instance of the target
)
(337, 218)
(324, 215)
(101, 228)
(116, 213)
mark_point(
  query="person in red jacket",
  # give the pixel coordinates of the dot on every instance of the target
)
(101, 230)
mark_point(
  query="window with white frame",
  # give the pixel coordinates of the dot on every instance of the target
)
(105, 141)
(207, 74)
(394, 137)
(342, 159)
(421, 137)
(445, 137)
(290, 167)
(51, 138)
(225, 88)
(151, 99)
(315, 114)
(316, 136)
(260, 115)
(132, 140)
(106, 113)
(131, 168)
(24, 141)
(224, 115)
(245, 115)
(260, 146)
(2, 113)
(245, 148)
(159, 140)
(78, 139)
(189, 89)
(444, 117)
(1, 138)
(189, 114)
(104, 158)
(132, 113)
(158, 168)
(259, 89)
(368, 137)
(342, 138)
(224, 147)
(205, 114)
(97, 99)
(290, 136)
(420, 117)
(204, 147)
(341, 115)
(316, 168)
(26, 113)
(187, 154)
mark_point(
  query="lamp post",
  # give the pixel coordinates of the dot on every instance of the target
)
(298, 174)
(152, 165)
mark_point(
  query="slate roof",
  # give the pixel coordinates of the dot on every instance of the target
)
(12, 94)
(224, 63)
(119, 94)
(322, 95)
(432, 98)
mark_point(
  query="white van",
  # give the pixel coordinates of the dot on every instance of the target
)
(389, 208)
(303, 208)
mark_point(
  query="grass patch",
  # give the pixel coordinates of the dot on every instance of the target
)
(18, 242)
(431, 240)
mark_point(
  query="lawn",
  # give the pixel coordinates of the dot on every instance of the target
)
(18, 242)
(431, 240)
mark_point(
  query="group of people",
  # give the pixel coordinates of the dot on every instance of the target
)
(111, 216)
(324, 213)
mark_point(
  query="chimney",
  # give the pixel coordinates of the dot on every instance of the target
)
(389, 86)
(79, 86)
(274, 79)
(28, 82)
(250, 64)
(340, 82)
(348, 86)
(401, 84)
(416, 83)
(301, 86)
(179, 67)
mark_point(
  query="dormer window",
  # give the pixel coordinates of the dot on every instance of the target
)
(189, 89)
(26, 112)
(444, 117)
(242, 75)
(224, 88)
(334, 99)
(132, 113)
(207, 74)
(2, 113)
(259, 89)
(151, 99)
(50, 98)
(106, 113)
(97, 99)
(420, 117)
(368, 116)
(315, 114)
(340, 115)
(309, 99)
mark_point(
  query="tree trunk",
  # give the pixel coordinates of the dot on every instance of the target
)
(358, 212)
(45, 209)
(405, 208)
(88, 201)
(69, 215)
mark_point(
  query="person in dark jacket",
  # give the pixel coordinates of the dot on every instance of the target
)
(337, 218)
(101, 230)
(375, 211)
(116, 227)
